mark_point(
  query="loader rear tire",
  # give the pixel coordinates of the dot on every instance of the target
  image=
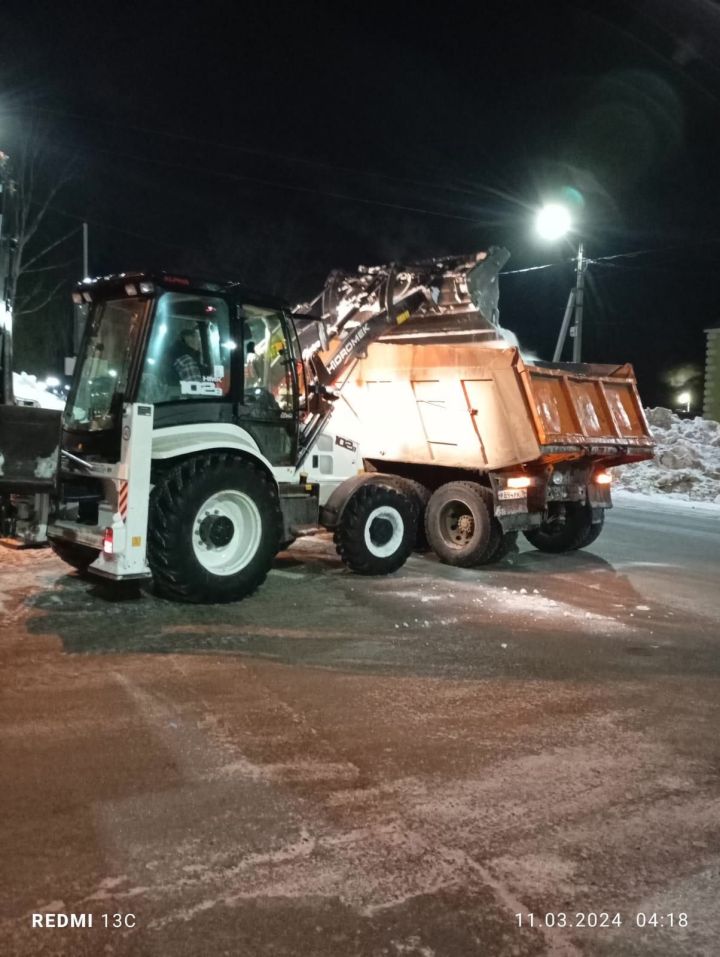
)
(214, 528)
(78, 556)
(577, 531)
(460, 526)
(377, 529)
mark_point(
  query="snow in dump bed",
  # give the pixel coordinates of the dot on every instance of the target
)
(686, 466)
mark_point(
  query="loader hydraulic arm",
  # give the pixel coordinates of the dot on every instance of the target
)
(452, 295)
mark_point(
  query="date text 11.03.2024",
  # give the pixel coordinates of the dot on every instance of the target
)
(592, 919)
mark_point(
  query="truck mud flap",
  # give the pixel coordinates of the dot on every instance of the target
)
(29, 449)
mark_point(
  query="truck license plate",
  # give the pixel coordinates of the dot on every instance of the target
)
(510, 493)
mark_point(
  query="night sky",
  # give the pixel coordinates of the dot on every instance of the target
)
(271, 143)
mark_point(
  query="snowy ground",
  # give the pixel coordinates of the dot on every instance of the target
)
(686, 466)
(343, 766)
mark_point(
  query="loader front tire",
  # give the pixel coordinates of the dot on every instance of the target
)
(78, 556)
(214, 528)
(377, 530)
(577, 531)
(460, 526)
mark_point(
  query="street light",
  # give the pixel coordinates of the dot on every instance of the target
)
(552, 222)
(684, 398)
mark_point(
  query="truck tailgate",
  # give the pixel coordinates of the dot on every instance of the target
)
(588, 405)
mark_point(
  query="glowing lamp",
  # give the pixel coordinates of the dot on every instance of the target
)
(553, 221)
(519, 481)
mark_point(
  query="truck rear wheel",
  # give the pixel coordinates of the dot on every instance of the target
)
(593, 532)
(214, 528)
(460, 526)
(421, 494)
(377, 530)
(577, 531)
(79, 556)
(506, 543)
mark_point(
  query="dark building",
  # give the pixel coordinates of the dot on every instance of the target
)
(711, 399)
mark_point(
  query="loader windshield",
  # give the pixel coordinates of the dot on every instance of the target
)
(190, 349)
(101, 376)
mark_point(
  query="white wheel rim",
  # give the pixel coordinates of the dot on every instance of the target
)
(242, 512)
(386, 514)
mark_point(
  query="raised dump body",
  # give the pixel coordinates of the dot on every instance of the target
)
(479, 406)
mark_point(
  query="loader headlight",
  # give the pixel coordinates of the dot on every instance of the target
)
(602, 478)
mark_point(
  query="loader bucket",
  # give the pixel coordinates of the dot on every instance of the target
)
(29, 449)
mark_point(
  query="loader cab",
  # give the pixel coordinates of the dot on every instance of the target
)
(200, 352)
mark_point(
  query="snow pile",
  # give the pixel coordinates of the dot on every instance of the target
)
(687, 459)
(28, 391)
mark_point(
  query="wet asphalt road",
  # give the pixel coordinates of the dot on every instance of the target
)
(394, 766)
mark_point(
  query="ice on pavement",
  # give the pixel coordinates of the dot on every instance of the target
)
(686, 466)
(500, 601)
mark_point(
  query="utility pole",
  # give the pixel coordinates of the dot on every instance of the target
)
(574, 307)
(86, 268)
(7, 251)
(81, 310)
(576, 331)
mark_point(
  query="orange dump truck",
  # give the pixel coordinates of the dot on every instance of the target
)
(494, 445)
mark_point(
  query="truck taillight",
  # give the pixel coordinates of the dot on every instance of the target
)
(108, 541)
(519, 481)
(602, 478)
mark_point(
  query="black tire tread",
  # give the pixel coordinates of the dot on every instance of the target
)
(349, 534)
(593, 533)
(577, 533)
(422, 496)
(166, 516)
(481, 555)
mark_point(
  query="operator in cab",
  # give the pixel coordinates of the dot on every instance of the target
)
(187, 354)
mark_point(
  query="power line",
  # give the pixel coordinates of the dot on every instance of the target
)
(283, 157)
(238, 177)
(611, 260)
(515, 272)
(121, 229)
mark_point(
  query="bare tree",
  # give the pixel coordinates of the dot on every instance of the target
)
(29, 239)
(32, 281)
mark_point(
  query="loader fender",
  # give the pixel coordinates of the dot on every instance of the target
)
(182, 440)
(331, 512)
